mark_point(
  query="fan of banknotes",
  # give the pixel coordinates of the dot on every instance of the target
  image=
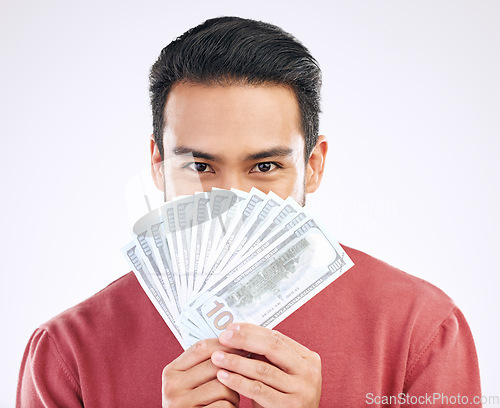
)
(211, 258)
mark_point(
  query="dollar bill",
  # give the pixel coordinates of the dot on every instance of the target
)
(250, 206)
(147, 281)
(183, 219)
(171, 236)
(149, 235)
(223, 204)
(272, 286)
(201, 218)
(267, 211)
(216, 257)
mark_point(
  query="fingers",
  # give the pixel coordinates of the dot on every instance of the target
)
(301, 350)
(291, 375)
(208, 393)
(214, 372)
(190, 380)
(255, 369)
(256, 390)
(194, 355)
(268, 343)
(222, 404)
(214, 391)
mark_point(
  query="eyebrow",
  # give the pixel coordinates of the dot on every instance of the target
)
(274, 152)
(187, 151)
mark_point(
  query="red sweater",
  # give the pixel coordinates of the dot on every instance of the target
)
(379, 331)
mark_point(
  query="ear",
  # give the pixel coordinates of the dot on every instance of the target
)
(157, 165)
(316, 165)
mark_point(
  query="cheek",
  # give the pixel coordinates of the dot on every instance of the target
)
(299, 171)
(180, 182)
(290, 183)
(298, 191)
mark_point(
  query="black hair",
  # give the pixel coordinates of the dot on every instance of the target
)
(232, 49)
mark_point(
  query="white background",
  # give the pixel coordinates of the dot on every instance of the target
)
(411, 109)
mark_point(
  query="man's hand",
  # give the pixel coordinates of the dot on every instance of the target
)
(291, 378)
(191, 379)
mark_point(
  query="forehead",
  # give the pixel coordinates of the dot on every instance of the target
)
(240, 116)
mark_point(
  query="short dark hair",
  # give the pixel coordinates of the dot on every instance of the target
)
(232, 49)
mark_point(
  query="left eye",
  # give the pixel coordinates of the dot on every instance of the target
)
(199, 167)
(263, 167)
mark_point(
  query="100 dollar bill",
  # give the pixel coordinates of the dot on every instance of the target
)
(275, 284)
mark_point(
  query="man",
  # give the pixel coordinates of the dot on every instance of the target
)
(235, 104)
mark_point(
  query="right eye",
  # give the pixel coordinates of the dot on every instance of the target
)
(199, 167)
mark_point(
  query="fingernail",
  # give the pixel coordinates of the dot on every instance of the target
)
(222, 375)
(234, 327)
(218, 356)
(226, 335)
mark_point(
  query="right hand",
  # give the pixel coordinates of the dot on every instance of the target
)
(191, 379)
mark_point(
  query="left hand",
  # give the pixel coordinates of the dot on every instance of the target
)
(291, 378)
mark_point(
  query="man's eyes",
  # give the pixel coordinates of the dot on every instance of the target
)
(264, 167)
(201, 167)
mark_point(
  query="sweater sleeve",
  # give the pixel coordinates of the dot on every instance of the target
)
(44, 378)
(445, 370)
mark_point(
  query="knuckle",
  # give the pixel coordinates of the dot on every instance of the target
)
(316, 357)
(257, 388)
(200, 347)
(264, 369)
(277, 334)
(166, 370)
(276, 343)
(169, 386)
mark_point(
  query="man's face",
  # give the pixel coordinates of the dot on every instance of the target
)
(235, 136)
